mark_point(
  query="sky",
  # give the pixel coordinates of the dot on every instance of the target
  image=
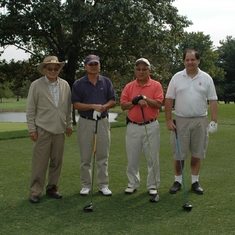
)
(212, 17)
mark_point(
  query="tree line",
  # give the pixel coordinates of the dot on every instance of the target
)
(118, 31)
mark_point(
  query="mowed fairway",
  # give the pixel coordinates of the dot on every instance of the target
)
(212, 213)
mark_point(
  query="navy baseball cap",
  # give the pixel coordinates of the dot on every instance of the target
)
(92, 58)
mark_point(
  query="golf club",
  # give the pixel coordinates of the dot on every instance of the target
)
(89, 208)
(155, 197)
(187, 206)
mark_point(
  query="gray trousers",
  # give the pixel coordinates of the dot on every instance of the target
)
(48, 149)
(85, 135)
(136, 142)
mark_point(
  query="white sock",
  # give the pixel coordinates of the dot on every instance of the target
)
(195, 178)
(178, 178)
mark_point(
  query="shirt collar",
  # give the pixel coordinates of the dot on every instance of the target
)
(185, 73)
(146, 84)
(48, 81)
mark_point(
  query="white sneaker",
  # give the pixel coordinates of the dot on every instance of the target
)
(130, 190)
(152, 191)
(85, 191)
(105, 191)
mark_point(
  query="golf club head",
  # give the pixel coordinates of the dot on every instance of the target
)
(154, 198)
(88, 208)
(187, 207)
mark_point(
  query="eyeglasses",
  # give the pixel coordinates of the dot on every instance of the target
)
(139, 70)
(93, 64)
(53, 69)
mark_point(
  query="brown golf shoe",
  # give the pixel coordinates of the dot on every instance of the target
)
(52, 192)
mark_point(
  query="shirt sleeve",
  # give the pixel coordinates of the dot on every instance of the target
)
(170, 94)
(159, 94)
(31, 108)
(211, 91)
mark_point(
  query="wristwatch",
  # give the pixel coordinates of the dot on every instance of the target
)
(144, 97)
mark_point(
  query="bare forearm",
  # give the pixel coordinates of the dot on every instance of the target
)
(168, 113)
(127, 106)
(214, 110)
(153, 103)
(98, 107)
(168, 109)
(110, 104)
(83, 107)
(144, 102)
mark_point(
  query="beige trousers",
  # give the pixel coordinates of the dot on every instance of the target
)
(85, 135)
(136, 143)
(48, 149)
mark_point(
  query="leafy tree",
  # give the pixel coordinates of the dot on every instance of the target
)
(18, 74)
(226, 62)
(5, 90)
(2, 85)
(119, 31)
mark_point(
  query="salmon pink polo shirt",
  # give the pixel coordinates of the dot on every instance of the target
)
(152, 89)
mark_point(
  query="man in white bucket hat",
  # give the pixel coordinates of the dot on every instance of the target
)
(49, 117)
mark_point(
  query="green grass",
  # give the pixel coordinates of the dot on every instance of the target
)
(212, 213)
(13, 104)
(12, 126)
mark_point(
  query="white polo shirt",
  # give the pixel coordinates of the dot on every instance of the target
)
(191, 95)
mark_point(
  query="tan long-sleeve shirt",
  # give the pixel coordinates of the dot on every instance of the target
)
(41, 109)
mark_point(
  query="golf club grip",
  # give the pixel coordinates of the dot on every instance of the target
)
(142, 111)
(95, 137)
(96, 125)
(175, 129)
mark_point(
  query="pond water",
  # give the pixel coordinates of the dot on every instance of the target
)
(21, 117)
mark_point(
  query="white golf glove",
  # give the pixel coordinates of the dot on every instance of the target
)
(212, 127)
(96, 114)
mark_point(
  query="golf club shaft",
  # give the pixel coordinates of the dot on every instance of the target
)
(150, 152)
(93, 160)
(181, 165)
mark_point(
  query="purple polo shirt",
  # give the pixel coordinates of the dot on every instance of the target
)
(84, 91)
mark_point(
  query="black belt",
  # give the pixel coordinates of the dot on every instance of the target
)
(142, 123)
(92, 118)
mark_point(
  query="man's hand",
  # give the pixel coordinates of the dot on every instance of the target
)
(170, 125)
(69, 132)
(33, 135)
(137, 99)
(212, 127)
(96, 114)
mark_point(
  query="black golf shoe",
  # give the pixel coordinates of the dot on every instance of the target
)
(176, 187)
(197, 188)
(34, 199)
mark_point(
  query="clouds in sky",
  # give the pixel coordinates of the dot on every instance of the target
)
(212, 17)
